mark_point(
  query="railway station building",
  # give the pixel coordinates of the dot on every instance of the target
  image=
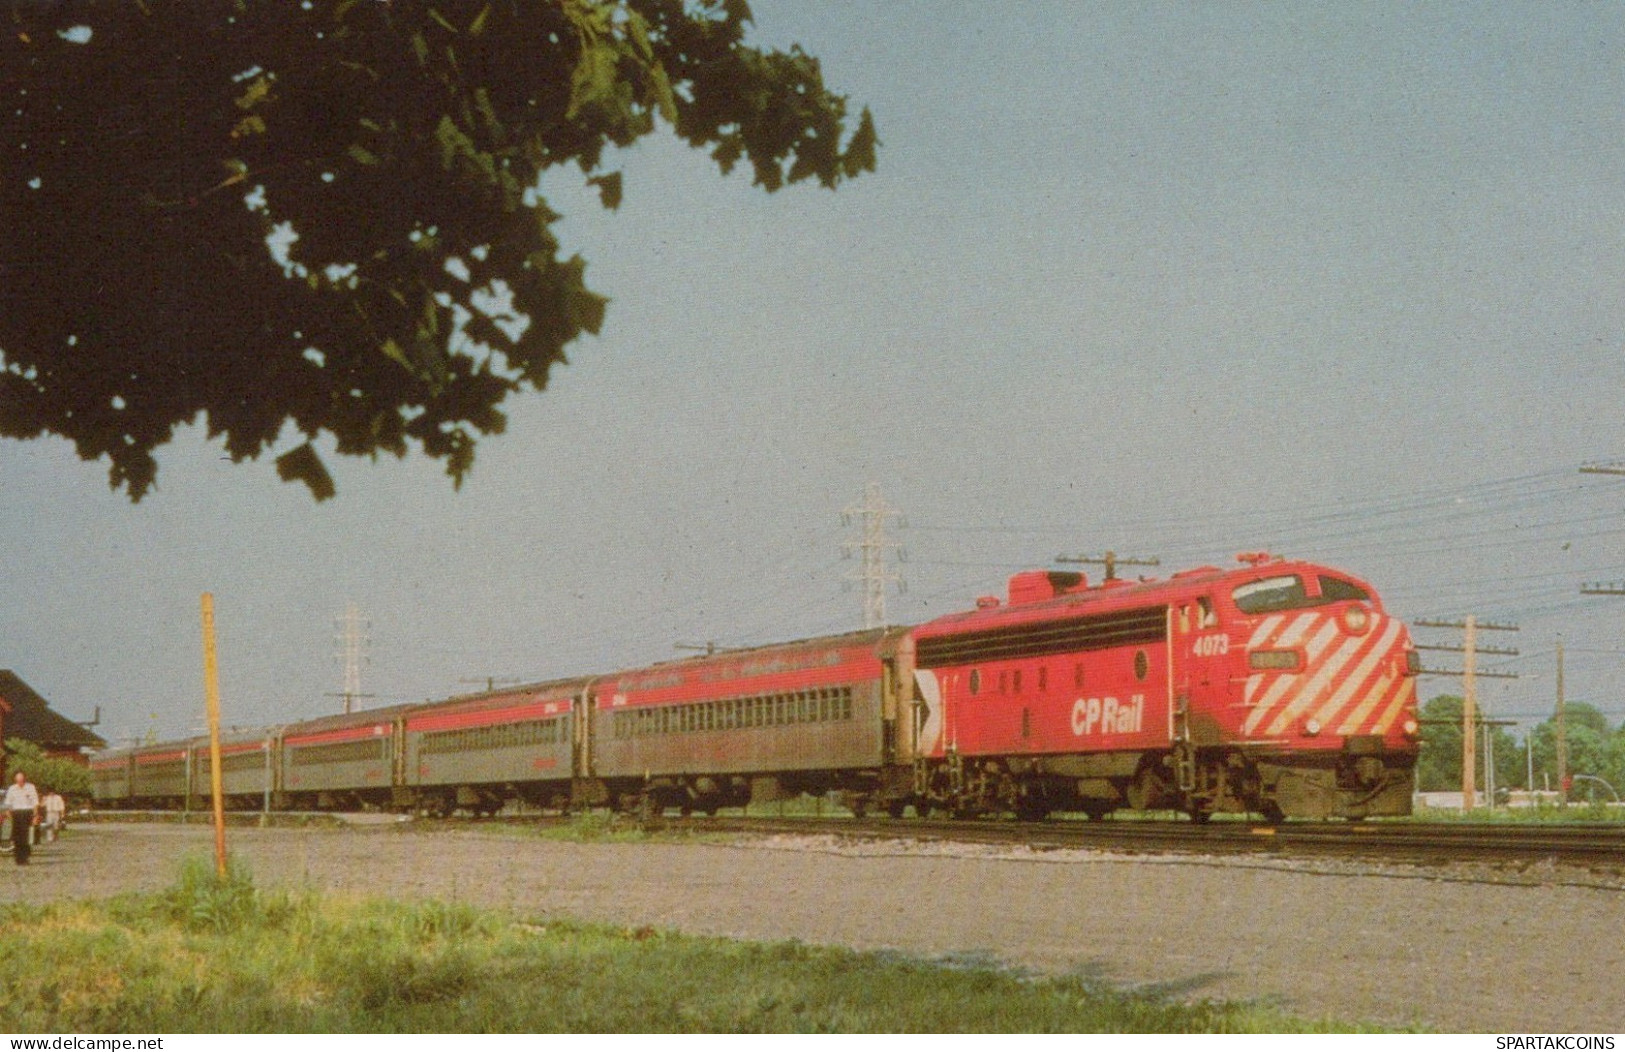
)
(26, 715)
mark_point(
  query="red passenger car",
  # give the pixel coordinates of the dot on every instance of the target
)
(721, 730)
(477, 753)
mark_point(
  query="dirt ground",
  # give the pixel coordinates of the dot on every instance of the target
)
(1441, 948)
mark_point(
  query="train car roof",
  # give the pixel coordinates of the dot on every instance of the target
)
(860, 637)
(504, 696)
(353, 719)
(1071, 594)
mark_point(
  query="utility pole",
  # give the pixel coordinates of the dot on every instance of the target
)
(1588, 588)
(352, 642)
(1469, 674)
(872, 548)
(1562, 735)
(1111, 561)
(1469, 707)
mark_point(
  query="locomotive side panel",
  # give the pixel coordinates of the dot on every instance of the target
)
(1090, 684)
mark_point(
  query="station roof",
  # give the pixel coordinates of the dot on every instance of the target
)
(29, 717)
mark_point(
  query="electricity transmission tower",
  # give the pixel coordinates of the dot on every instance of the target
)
(352, 641)
(872, 548)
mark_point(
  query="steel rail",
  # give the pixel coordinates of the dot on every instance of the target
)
(1394, 841)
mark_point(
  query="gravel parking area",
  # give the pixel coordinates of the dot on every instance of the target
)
(1438, 948)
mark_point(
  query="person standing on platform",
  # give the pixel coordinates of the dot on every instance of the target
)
(56, 809)
(22, 800)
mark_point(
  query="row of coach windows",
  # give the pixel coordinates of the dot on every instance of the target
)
(147, 774)
(496, 736)
(340, 752)
(768, 710)
(241, 761)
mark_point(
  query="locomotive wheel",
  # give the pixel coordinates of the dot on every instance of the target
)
(1200, 814)
(896, 808)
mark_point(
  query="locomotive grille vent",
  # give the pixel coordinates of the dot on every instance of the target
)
(1101, 632)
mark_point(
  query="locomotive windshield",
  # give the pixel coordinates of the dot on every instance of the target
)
(1288, 592)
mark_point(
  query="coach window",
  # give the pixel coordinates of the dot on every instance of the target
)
(1077, 676)
(975, 681)
(1043, 678)
(1142, 665)
(1015, 682)
(1206, 618)
(1184, 619)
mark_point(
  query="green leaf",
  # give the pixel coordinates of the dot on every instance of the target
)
(393, 352)
(259, 89)
(361, 154)
(609, 189)
(303, 465)
(476, 27)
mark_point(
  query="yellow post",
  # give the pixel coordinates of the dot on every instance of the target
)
(211, 700)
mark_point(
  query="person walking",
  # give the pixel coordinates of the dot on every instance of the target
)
(55, 809)
(22, 800)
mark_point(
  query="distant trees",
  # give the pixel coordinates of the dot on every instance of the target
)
(1439, 764)
(46, 772)
(1594, 748)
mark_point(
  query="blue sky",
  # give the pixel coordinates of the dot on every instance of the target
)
(1181, 281)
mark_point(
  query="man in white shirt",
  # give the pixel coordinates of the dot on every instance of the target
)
(22, 800)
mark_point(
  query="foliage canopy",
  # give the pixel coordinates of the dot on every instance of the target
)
(394, 147)
(46, 772)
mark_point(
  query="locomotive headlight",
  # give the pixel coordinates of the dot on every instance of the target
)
(1311, 727)
(1356, 619)
(1411, 727)
(1275, 660)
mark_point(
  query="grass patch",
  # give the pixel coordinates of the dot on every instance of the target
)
(221, 956)
(1543, 814)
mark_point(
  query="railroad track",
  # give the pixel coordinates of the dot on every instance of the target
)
(1596, 846)
(1589, 845)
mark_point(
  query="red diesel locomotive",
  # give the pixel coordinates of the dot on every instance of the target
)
(1277, 688)
(1282, 689)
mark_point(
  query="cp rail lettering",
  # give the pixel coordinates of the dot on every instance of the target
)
(1107, 715)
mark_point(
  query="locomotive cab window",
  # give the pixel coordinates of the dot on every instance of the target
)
(1289, 592)
(1270, 594)
(1335, 589)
